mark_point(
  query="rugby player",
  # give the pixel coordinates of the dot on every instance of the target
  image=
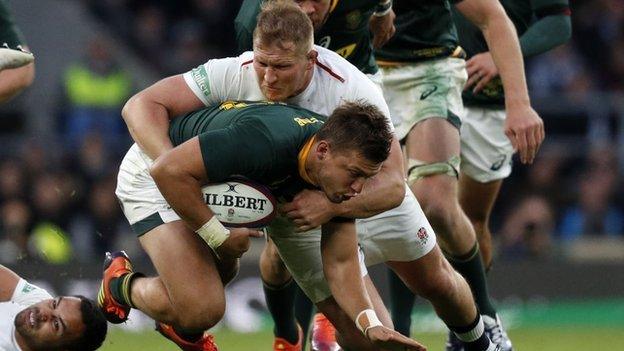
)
(285, 66)
(32, 320)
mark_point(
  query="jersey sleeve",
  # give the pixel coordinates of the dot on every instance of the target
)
(236, 150)
(211, 82)
(27, 294)
(543, 8)
(244, 24)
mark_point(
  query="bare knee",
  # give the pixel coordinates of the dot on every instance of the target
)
(200, 316)
(272, 268)
(440, 211)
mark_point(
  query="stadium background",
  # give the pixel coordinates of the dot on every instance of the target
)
(559, 224)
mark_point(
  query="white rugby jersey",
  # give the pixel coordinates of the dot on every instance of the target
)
(25, 295)
(334, 81)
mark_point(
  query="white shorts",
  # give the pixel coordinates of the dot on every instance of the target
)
(486, 152)
(423, 90)
(141, 201)
(401, 234)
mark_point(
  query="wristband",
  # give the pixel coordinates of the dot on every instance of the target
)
(383, 9)
(369, 320)
(213, 233)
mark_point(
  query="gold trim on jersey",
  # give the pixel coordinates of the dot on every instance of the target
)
(301, 159)
(333, 5)
(429, 53)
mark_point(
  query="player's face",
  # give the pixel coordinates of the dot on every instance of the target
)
(50, 324)
(317, 11)
(282, 72)
(343, 174)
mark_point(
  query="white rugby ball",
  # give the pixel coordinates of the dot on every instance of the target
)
(240, 202)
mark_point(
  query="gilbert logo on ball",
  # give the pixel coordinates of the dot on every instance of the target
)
(240, 202)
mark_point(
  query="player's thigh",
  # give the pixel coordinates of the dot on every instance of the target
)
(185, 264)
(422, 91)
(400, 234)
(486, 152)
(427, 275)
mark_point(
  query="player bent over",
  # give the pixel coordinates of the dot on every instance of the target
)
(267, 143)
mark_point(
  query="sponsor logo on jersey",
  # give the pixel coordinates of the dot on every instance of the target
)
(425, 94)
(499, 163)
(346, 51)
(28, 288)
(325, 41)
(201, 79)
(301, 121)
(238, 201)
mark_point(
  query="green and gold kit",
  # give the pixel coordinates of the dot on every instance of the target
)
(424, 31)
(262, 141)
(523, 13)
(346, 30)
(9, 33)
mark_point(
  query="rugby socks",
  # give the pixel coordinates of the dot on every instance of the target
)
(120, 288)
(473, 336)
(303, 313)
(471, 267)
(280, 301)
(191, 337)
(401, 304)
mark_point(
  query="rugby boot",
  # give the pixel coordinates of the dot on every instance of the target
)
(14, 58)
(453, 343)
(281, 344)
(323, 334)
(116, 264)
(206, 343)
(494, 330)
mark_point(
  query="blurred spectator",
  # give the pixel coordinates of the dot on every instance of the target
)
(15, 222)
(527, 231)
(95, 89)
(12, 180)
(595, 211)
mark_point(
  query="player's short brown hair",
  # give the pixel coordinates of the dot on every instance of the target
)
(361, 127)
(281, 22)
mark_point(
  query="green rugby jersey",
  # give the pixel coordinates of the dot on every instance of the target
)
(424, 31)
(346, 30)
(258, 140)
(522, 13)
(9, 33)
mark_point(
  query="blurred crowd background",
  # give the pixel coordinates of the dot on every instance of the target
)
(58, 168)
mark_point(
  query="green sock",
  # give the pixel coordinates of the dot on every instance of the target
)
(281, 305)
(120, 288)
(471, 267)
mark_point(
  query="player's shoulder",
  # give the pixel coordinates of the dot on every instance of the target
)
(335, 67)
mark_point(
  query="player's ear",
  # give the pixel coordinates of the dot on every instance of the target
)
(322, 149)
(311, 56)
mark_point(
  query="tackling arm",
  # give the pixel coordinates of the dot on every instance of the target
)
(147, 113)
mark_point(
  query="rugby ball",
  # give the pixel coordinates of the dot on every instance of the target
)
(240, 202)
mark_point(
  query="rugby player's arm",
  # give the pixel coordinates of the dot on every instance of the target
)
(148, 112)
(524, 127)
(552, 28)
(339, 253)
(384, 191)
(8, 282)
(179, 174)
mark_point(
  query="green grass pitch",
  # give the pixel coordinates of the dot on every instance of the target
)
(525, 339)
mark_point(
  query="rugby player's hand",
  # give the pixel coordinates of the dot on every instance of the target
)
(238, 242)
(382, 29)
(388, 339)
(481, 70)
(525, 129)
(309, 209)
